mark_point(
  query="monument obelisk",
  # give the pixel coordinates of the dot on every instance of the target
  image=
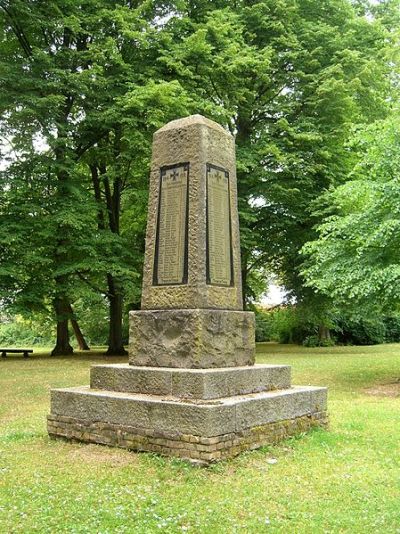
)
(192, 314)
(191, 388)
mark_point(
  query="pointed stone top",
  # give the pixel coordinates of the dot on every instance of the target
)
(191, 120)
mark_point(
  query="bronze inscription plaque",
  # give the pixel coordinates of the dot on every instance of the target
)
(219, 238)
(170, 260)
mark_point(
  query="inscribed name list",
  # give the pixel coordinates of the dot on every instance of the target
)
(218, 227)
(172, 223)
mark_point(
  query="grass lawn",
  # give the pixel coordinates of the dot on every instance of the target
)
(346, 479)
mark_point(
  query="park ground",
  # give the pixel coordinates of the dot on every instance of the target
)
(344, 479)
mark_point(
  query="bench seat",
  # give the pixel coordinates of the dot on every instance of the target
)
(25, 352)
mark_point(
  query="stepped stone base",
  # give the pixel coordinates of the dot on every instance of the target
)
(197, 449)
(190, 383)
(195, 414)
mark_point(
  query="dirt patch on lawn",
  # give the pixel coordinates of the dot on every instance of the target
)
(385, 390)
(91, 453)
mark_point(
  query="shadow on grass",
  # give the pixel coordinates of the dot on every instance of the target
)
(78, 355)
(271, 348)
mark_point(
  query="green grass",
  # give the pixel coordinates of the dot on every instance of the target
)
(346, 479)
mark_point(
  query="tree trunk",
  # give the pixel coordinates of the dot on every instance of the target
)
(115, 293)
(77, 331)
(243, 138)
(115, 342)
(61, 303)
(324, 333)
(63, 347)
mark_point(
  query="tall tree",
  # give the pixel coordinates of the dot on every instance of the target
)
(92, 82)
(73, 64)
(289, 79)
(356, 258)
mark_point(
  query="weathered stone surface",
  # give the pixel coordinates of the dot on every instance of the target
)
(203, 418)
(319, 399)
(128, 379)
(188, 446)
(191, 338)
(218, 383)
(276, 405)
(190, 383)
(197, 141)
(143, 411)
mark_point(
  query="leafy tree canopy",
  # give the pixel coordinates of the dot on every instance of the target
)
(289, 79)
(81, 96)
(356, 258)
(91, 81)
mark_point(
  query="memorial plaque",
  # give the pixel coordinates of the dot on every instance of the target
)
(170, 260)
(219, 238)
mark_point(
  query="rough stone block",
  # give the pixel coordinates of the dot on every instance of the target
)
(129, 379)
(190, 383)
(203, 418)
(191, 389)
(319, 400)
(143, 411)
(173, 444)
(228, 382)
(191, 338)
(275, 406)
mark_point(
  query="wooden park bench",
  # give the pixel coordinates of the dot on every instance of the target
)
(15, 351)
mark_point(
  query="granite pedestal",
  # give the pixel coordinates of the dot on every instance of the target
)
(191, 388)
(202, 415)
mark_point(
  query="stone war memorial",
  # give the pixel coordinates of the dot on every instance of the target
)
(191, 388)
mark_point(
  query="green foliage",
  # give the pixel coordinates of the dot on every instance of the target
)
(91, 311)
(37, 328)
(284, 324)
(295, 324)
(24, 333)
(264, 323)
(80, 119)
(85, 85)
(362, 331)
(368, 330)
(289, 79)
(355, 259)
(392, 329)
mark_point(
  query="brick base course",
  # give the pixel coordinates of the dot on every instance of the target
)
(196, 448)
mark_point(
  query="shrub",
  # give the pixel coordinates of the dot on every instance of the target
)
(20, 332)
(392, 324)
(291, 325)
(361, 331)
(299, 324)
(264, 322)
